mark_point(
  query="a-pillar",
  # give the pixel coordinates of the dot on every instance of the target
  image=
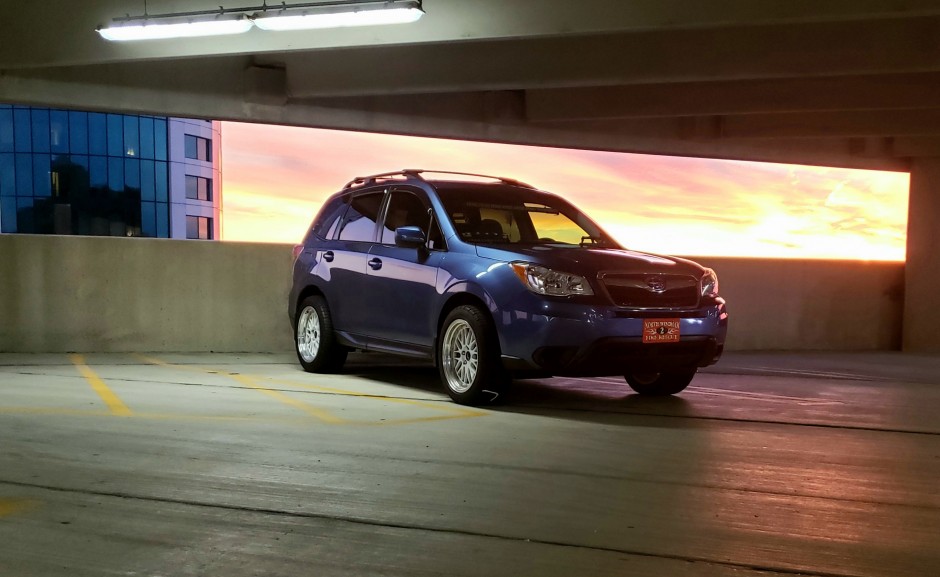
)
(922, 272)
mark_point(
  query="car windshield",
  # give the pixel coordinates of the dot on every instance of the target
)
(511, 215)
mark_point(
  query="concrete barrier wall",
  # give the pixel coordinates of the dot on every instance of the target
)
(86, 294)
(811, 304)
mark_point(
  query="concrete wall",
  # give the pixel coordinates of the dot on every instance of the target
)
(112, 294)
(921, 314)
(89, 294)
(811, 304)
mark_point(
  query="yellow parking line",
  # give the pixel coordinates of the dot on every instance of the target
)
(324, 416)
(46, 411)
(445, 407)
(115, 404)
(11, 506)
(253, 382)
(249, 382)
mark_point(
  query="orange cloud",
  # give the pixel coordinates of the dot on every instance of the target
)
(275, 178)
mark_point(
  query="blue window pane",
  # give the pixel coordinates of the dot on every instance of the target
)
(40, 128)
(132, 177)
(159, 139)
(42, 180)
(24, 175)
(78, 177)
(148, 181)
(146, 138)
(78, 132)
(97, 133)
(6, 130)
(22, 131)
(25, 219)
(160, 171)
(131, 136)
(190, 150)
(148, 219)
(59, 131)
(116, 175)
(115, 135)
(192, 227)
(7, 175)
(163, 220)
(98, 172)
(8, 214)
(43, 215)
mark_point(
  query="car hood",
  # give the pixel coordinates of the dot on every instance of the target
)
(586, 261)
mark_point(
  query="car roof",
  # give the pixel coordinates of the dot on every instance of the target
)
(412, 175)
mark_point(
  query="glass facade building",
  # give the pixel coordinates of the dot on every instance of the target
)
(92, 173)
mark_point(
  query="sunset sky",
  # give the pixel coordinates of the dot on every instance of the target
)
(275, 179)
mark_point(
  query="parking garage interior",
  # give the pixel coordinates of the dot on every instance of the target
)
(150, 430)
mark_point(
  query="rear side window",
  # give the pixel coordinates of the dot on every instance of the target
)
(360, 220)
(328, 219)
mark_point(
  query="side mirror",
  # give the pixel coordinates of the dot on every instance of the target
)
(410, 236)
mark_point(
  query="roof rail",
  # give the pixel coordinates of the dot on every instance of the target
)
(417, 173)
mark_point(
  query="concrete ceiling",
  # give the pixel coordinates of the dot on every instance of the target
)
(834, 82)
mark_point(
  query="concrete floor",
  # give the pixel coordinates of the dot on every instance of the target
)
(237, 465)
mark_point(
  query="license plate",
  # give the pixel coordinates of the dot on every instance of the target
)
(661, 330)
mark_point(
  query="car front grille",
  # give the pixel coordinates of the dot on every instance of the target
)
(651, 290)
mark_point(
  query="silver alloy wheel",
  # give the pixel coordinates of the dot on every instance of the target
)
(461, 356)
(308, 334)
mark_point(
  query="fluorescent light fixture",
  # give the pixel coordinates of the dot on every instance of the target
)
(339, 17)
(285, 16)
(161, 28)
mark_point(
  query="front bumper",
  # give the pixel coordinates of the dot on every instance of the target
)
(567, 339)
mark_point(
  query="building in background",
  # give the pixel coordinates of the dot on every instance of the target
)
(92, 173)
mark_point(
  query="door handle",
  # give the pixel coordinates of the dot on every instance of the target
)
(328, 256)
(375, 264)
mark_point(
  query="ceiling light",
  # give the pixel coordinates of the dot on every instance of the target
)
(163, 27)
(293, 16)
(339, 14)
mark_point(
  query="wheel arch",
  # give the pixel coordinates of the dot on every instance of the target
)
(456, 300)
(308, 291)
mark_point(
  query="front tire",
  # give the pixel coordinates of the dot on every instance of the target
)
(660, 384)
(314, 339)
(468, 357)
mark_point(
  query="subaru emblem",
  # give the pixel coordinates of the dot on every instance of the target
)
(656, 284)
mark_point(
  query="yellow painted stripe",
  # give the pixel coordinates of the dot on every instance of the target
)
(252, 381)
(11, 506)
(115, 404)
(321, 414)
(324, 416)
(439, 406)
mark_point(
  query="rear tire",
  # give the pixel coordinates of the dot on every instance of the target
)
(660, 384)
(468, 357)
(314, 340)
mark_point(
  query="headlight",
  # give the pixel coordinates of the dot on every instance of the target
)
(545, 281)
(709, 283)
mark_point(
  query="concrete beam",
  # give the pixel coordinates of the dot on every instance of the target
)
(55, 33)
(871, 123)
(891, 46)
(870, 92)
(228, 103)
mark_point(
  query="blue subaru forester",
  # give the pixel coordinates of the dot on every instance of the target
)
(490, 278)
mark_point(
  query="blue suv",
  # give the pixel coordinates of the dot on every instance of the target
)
(490, 278)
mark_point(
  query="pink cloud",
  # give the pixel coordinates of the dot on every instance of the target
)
(275, 177)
